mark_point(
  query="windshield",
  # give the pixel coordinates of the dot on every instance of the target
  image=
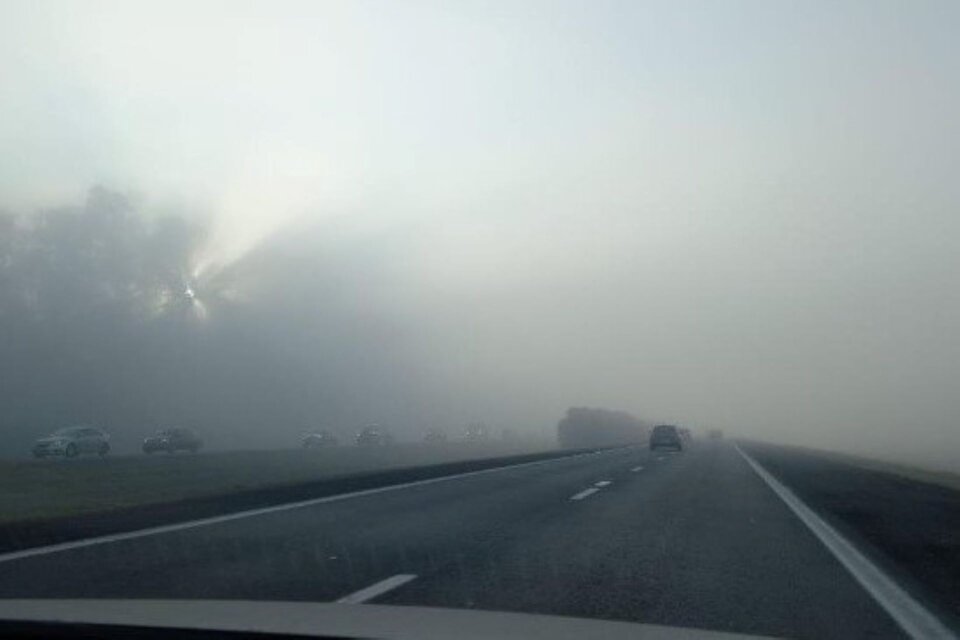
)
(614, 310)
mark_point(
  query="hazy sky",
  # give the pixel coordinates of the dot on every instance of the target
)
(734, 213)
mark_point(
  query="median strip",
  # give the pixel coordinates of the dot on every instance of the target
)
(276, 508)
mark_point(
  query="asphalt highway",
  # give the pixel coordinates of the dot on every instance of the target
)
(696, 539)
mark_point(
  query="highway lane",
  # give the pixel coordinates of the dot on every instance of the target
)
(693, 539)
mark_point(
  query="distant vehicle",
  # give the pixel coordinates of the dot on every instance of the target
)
(171, 440)
(685, 434)
(590, 427)
(374, 435)
(435, 435)
(317, 439)
(665, 436)
(477, 431)
(72, 441)
(715, 434)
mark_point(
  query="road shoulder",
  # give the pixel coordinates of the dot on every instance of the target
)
(911, 529)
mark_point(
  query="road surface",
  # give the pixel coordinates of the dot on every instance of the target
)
(695, 539)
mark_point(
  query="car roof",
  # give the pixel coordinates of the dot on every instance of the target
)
(175, 430)
(75, 428)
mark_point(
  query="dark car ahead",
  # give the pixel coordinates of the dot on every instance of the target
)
(374, 435)
(171, 440)
(665, 436)
(318, 439)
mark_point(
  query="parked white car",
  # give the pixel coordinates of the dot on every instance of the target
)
(72, 441)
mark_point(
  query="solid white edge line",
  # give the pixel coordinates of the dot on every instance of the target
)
(585, 493)
(250, 513)
(912, 617)
(377, 589)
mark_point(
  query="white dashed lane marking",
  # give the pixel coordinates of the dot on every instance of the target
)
(377, 589)
(584, 494)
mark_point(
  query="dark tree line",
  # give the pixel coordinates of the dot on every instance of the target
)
(82, 297)
(100, 324)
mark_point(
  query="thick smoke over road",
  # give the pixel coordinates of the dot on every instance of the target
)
(440, 213)
(341, 322)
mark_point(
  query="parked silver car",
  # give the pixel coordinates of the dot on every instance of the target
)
(72, 441)
(171, 440)
(374, 435)
(318, 439)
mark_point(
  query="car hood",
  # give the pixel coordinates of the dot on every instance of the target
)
(335, 619)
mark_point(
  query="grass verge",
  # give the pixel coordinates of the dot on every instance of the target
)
(49, 489)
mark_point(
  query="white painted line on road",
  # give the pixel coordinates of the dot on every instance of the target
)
(603, 483)
(635, 469)
(584, 494)
(912, 617)
(661, 457)
(377, 589)
(262, 511)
